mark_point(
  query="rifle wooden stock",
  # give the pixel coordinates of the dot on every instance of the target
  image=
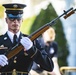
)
(16, 49)
(37, 33)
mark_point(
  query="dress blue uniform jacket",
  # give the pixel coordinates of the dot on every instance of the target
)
(23, 62)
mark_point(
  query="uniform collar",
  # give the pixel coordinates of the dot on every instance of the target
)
(10, 34)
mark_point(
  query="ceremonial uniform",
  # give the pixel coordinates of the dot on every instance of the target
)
(21, 63)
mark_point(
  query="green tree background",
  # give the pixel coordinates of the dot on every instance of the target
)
(47, 16)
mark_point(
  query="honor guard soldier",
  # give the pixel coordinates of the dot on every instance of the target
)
(21, 63)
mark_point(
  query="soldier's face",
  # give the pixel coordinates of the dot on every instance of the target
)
(14, 24)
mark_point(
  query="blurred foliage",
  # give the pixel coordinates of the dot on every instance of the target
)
(47, 16)
(26, 25)
(1, 11)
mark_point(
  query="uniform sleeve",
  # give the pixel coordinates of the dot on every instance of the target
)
(38, 54)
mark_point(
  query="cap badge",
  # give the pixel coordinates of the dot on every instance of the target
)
(15, 6)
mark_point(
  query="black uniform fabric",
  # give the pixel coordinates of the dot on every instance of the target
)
(24, 62)
(51, 50)
(15, 6)
(15, 40)
(14, 10)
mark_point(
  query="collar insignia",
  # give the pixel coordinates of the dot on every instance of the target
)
(15, 6)
(5, 38)
(2, 47)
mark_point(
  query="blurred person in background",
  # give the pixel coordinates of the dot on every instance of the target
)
(51, 47)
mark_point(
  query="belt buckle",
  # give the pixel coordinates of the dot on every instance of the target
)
(14, 72)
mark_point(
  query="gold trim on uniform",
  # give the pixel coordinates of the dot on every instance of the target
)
(13, 9)
(15, 59)
(34, 53)
(14, 72)
(25, 54)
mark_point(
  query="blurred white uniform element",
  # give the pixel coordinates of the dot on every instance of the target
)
(3, 60)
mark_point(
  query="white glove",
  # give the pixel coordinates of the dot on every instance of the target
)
(3, 60)
(26, 42)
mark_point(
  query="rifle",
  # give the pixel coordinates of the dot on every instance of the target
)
(18, 47)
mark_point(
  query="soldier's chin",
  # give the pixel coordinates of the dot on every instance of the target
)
(14, 28)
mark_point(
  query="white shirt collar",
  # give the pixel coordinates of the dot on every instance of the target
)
(10, 34)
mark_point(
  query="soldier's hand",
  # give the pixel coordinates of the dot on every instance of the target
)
(3, 60)
(26, 42)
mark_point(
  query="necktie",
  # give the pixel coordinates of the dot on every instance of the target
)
(15, 40)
